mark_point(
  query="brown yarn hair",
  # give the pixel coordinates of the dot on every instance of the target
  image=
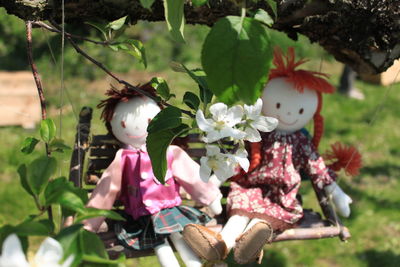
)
(116, 96)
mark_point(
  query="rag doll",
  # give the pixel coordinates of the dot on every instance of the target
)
(262, 202)
(154, 211)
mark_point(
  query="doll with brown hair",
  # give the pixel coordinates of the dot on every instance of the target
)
(154, 210)
(262, 202)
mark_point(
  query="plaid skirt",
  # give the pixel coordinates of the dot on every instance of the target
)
(151, 230)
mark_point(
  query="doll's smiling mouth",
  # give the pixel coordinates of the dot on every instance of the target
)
(286, 123)
(136, 136)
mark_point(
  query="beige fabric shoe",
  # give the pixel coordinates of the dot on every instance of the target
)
(249, 245)
(205, 243)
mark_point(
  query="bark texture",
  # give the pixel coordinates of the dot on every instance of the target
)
(365, 34)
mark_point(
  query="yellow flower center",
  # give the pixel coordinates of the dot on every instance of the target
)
(219, 125)
(213, 163)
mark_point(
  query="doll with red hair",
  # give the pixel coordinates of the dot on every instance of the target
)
(262, 202)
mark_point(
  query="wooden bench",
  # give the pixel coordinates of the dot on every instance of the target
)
(99, 151)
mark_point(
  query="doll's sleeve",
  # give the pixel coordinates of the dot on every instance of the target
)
(187, 172)
(106, 191)
(315, 166)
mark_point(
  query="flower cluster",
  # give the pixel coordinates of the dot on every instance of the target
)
(50, 254)
(236, 123)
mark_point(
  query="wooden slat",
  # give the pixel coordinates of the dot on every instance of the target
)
(99, 164)
(80, 146)
(196, 152)
(100, 152)
(98, 140)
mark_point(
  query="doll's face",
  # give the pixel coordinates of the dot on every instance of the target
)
(131, 118)
(292, 108)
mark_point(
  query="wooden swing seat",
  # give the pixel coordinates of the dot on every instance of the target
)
(99, 151)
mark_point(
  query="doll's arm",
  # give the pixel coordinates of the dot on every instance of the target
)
(314, 165)
(325, 179)
(106, 192)
(340, 199)
(187, 172)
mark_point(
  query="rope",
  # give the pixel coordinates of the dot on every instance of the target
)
(62, 65)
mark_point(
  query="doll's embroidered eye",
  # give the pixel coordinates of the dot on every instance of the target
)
(278, 105)
(123, 124)
(301, 111)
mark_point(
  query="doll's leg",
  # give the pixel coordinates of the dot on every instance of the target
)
(166, 256)
(233, 228)
(187, 254)
(250, 244)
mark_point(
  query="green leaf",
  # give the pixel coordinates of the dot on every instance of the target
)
(47, 130)
(92, 246)
(198, 3)
(273, 6)
(29, 145)
(161, 87)
(117, 24)
(92, 213)
(39, 172)
(70, 201)
(199, 77)
(102, 27)
(59, 186)
(136, 49)
(58, 145)
(236, 57)
(263, 17)
(175, 18)
(133, 47)
(147, 3)
(157, 145)
(22, 171)
(69, 240)
(29, 228)
(191, 100)
(168, 118)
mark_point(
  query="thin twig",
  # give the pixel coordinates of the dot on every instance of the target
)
(69, 37)
(34, 69)
(52, 29)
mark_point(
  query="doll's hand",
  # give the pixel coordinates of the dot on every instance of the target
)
(340, 199)
(215, 207)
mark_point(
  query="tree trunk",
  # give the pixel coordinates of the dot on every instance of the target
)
(364, 34)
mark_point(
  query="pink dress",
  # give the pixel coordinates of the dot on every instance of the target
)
(269, 191)
(130, 178)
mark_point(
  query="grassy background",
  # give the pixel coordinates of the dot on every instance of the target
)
(371, 124)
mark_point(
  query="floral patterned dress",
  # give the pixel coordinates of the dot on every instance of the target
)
(269, 191)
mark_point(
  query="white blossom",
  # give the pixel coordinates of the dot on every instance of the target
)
(222, 123)
(221, 164)
(255, 122)
(240, 157)
(49, 254)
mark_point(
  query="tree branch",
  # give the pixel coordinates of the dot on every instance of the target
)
(51, 29)
(70, 38)
(365, 34)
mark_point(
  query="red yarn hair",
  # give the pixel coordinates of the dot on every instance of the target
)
(302, 79)
(344, 157)
(285, 66)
